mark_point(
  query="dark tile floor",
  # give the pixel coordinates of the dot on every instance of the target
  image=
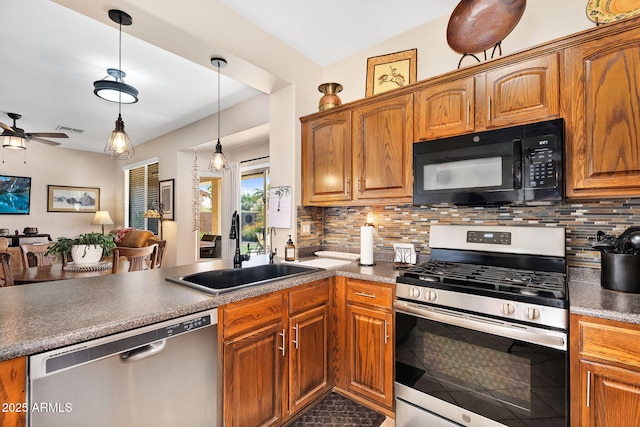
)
(335, 410)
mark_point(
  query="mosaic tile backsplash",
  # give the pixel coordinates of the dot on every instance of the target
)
(338, 228)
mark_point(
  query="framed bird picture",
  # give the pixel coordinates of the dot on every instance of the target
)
(391, 71)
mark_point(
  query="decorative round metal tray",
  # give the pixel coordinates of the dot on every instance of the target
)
(477, 25)
(102, 265)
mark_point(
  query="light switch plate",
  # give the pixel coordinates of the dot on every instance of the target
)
(305, 228)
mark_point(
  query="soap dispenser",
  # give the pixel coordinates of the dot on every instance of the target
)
(290, 250)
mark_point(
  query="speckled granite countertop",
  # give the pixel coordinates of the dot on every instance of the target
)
(43, 316)
(588, 298)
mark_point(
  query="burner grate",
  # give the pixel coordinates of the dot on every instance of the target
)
(509, 280)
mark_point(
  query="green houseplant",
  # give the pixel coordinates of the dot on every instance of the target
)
(86, 248)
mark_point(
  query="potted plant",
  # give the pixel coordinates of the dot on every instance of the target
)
(84, 249)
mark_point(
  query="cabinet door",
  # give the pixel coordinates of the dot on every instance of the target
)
(370, 354)
(383, 140)
(308, 357)
(445, 109)
(610, 396)
(326, 159)
(253, 377)
(13, 378)
(527, 91)
(603, 137)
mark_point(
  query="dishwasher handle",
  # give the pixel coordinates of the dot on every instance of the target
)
(143, 352)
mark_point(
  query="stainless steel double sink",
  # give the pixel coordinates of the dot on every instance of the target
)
(220, 281)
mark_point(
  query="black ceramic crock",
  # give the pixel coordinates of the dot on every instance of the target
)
(620, 272)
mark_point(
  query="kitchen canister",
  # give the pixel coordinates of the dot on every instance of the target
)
(620, 272)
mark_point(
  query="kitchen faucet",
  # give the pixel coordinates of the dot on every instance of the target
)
(235, 234)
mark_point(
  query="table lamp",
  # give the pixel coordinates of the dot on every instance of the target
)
(102, 218)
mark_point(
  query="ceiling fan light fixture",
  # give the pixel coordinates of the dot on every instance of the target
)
(119, 145)
(115, 90)
(13, 142)
(218, 162)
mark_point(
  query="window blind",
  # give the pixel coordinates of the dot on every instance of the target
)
(143, 195)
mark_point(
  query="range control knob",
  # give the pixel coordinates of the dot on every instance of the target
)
(533, 313)
(414, 293)
(431, 295)
(508, 309)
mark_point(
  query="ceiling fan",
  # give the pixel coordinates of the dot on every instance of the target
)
(15, 131)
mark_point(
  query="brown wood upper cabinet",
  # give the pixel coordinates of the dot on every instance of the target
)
(326, 159)
(605, 373)
(525, 91)
(603, 127)
(374, 138)
(382, 143)
(275, 354)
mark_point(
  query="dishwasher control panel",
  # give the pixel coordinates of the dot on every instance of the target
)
(78, 354)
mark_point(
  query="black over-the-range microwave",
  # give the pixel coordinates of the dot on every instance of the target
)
(510, 165)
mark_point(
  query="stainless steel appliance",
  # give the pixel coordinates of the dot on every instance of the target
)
(482, 330)
(159, 375)
(516, 164)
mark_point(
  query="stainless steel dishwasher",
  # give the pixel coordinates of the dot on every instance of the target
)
(158, 375)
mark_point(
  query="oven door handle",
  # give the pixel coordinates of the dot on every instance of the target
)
(542, 337)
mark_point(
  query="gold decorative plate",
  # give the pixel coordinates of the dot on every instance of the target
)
(605, 11)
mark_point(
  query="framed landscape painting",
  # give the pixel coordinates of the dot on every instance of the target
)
(62, 198)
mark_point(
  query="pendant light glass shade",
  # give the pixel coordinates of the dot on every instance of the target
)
(13, 142)
(119, 145)
(218, 161)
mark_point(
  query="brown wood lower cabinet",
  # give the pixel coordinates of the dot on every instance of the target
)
(605, 373)
(275, 354)
(13, 380)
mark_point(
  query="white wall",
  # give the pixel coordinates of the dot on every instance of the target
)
(59, 166)
(543, 20)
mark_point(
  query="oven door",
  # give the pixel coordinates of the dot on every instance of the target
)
(455, 375)
(462, 172)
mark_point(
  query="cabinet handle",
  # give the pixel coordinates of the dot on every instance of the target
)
(348, 186)
(284, 342)
(295, 340)
(588, 388)
(489, 108)
(386, 331)
(362, 294)
(468, 112)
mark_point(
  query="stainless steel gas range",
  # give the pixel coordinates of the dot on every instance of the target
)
(481, 330)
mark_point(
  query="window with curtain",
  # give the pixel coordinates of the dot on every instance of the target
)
(143, 193)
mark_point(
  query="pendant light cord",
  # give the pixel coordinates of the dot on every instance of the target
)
(219, 101)
(120, 65)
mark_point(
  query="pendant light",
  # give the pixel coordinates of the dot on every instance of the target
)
(218, 162)
(119, 146)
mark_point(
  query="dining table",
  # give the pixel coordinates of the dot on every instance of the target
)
(53, 272)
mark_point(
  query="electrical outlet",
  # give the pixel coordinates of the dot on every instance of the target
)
(305, 228)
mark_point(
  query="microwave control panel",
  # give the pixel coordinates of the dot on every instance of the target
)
(541, 162)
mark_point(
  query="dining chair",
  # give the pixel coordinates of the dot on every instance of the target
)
(34, 254)
(144, 258)
(162, 249)
(6, 275)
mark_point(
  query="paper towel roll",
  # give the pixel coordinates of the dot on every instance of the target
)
(366, 245)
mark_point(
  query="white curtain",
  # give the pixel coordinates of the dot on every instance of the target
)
(230, 203)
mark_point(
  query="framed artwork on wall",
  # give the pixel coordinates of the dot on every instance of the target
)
(391, 71)
(62, 198)
(167, 194)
